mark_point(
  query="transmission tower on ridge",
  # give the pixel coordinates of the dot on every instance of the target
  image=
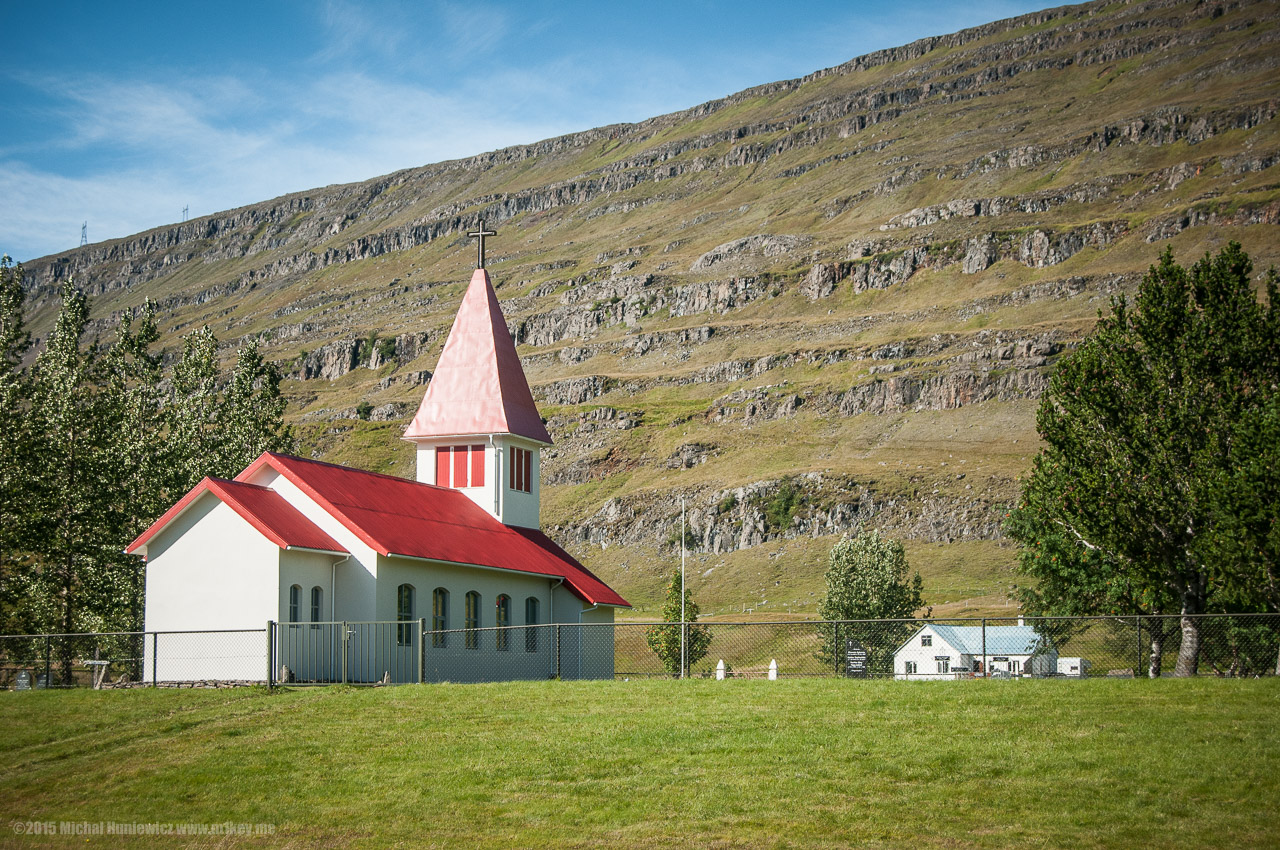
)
(84, 234)
(184, 212)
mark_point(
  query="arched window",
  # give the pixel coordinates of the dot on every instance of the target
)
(317, 605)
(404, 613)
(502, 641)
(472, 619)
(531, 618)
(439, 617)
(295, 602)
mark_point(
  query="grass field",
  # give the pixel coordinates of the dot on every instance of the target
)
(807, 763)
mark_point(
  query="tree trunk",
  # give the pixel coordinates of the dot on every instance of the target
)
(1157, 651)
(1189, 652)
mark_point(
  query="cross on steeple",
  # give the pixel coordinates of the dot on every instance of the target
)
(480, 234)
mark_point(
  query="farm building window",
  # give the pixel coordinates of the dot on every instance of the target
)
(926, 640)
(439, 617)
(909, 668)
(473, 619)
(502, 639)
(404, 613)
(531, 618)
(944, 665)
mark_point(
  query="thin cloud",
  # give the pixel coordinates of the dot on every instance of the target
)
(473, 28)
(352, 30)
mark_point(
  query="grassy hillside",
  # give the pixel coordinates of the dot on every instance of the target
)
(853, 285)
(1052, 763)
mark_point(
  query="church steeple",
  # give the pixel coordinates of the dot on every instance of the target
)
(478, 429)
(479, 385)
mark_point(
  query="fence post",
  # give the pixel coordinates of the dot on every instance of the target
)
(155, 656)
(422, 650)
(271, 655)
(985, 664)
(48, 660)
(1137, 629)
(835, 649)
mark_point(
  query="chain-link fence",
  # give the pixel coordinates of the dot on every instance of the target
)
(119, 659)
(396, 652)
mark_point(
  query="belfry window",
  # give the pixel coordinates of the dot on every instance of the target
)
(521, 471)
(460, 466)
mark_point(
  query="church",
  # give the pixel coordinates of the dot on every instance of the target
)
(377, 578)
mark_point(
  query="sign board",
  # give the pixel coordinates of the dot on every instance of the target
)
(855, 659)
(23, 682)
(1000, 658)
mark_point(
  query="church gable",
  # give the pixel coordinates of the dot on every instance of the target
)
(262, 508)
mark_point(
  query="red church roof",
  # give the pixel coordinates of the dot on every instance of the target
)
(395, 516)
(263, 508)
(479, 386)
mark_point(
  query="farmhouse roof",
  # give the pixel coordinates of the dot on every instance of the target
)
(1001, 640)
(263, 508)
(479, 386)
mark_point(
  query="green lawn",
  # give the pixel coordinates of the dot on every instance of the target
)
(801, 763)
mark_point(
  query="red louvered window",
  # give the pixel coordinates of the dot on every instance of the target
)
(443, 453)
(453, 463)
(460, 466)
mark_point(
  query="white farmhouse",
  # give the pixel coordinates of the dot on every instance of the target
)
(950, 652)
(355, 565)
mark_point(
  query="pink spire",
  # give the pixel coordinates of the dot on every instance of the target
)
(479, 385)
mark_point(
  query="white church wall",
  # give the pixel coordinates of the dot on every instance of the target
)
(209, 570)
(586, 648)
(518, 507)
(307, 651)
(455, 661)
(353, 594)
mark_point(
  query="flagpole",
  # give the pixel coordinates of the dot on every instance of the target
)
(683, 628)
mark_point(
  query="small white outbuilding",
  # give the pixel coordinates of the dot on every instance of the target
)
(1073, 667)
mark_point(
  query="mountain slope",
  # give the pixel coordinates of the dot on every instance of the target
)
(809, 306)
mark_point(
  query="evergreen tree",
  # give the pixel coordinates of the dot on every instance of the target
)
(1155, 486)
(15, 456)
(252, 412)
(68, 418)
(95, 447)
(665, 640)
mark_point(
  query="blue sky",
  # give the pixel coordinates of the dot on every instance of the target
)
(121, 114)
